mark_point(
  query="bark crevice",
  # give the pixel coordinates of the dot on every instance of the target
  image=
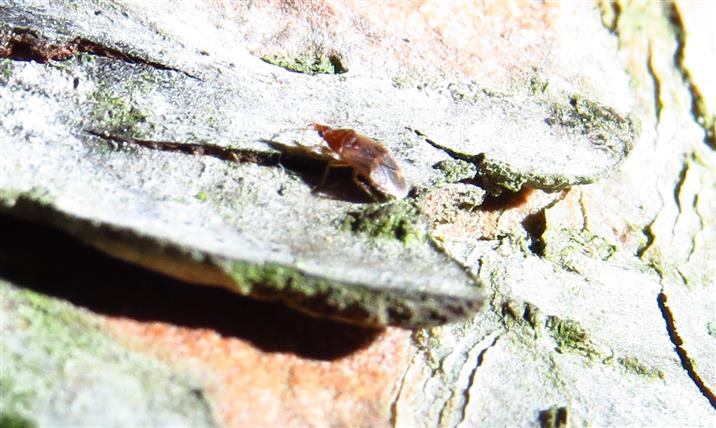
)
(677, 341)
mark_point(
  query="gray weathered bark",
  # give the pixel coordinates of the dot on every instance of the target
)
(552, 264)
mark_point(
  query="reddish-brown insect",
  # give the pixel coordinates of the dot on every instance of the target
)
(368, 159)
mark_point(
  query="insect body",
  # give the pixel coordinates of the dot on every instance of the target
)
(368, 159)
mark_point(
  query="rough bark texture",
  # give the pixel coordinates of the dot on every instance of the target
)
(552, 264)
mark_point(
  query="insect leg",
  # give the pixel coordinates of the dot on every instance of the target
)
(329, 165)
(364, 187)
(325, 175)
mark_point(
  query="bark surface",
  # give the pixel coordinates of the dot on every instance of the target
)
(552, 264)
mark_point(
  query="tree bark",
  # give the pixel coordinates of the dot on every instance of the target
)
(552, 264)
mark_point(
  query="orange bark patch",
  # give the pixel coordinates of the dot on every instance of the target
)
(248, 386)
(495, 217)
(472, 36)
(483, 40)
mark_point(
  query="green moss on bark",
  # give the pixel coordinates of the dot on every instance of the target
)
(6, 68)
(53, 351)
(633, 365)
(455, 170)
(571, 337)
(600, 124)
(115, 114)
(309, 63)
(14, 420)
(401, 220)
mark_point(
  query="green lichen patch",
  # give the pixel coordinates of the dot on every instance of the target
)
(311, 294)
(269, 279)
(53, 353)
(469, 91)
(605, 138)
(467, 197)
(119, 106)
(594, 246)
(40, 195)
(14, 420)
(115, 114)
(711, 328)
(84, 58)
(308, 63)
(15, 400)
(502, 176)
(538, 85)
(633, 365)
(401, 220)
(202, 196)
(602, 125)
(6, 67)
(571, 337)
(454, 170)
(561, 245)
(355, 303)
(415, 80)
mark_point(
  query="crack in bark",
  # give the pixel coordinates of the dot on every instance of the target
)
(213, 150)
(295, 159)
(648, 231)
(394, 402)
(300, 161)
(497, 197)
(453, 153)
(21, 44)
(680, 184)
(677, 341)
(448, 404)
(683, 174)
(692, 250)
(683, 276)
(471, 379)
(445, 402)
(583, 210)
(535, 224)
(677, 199)
(698, 112)
(651, 69)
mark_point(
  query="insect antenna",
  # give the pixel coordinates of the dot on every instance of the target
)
(285, 130)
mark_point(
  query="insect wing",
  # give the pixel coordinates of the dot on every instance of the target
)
(387, 176)
(361, 153)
